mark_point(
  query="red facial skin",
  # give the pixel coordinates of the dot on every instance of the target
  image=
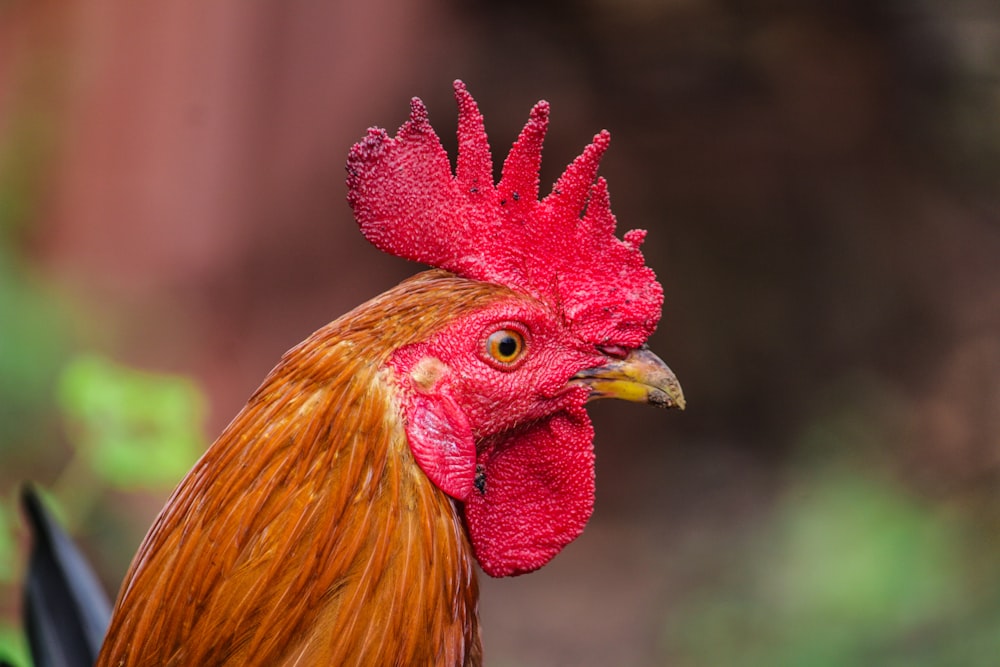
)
(510, 440)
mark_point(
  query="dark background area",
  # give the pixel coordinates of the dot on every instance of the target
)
(820, 185)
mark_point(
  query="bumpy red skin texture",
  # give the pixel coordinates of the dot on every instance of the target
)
(562, 250)
(524, 428)
(538, 493)
(441, 439)
(530, 435)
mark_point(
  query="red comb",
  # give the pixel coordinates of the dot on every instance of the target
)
(561, 250)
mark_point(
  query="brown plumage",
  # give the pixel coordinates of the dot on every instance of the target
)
(313, 517)
(339, 517)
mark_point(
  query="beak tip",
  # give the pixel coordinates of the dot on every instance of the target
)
(662, 399)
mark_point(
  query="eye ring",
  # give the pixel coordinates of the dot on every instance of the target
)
(505, 347)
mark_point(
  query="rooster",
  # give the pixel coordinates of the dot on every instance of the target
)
(339, 518)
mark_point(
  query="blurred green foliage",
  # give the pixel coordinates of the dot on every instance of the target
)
(856, 551)
(129, 430)
(848, 568)
(13, 647)
(136, 430)
(34, 345)
(7, 550)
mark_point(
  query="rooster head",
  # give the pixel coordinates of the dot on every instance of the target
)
(494, 399)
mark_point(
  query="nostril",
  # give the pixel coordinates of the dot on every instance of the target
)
(613, 351)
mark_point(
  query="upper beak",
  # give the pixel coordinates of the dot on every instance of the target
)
(641, 377)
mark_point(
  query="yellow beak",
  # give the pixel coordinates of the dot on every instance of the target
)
(641, 377)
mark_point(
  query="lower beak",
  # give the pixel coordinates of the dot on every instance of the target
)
(640, 377)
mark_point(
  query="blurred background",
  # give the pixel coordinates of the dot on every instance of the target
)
(820, 182)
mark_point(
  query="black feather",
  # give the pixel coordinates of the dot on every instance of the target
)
(66, 612)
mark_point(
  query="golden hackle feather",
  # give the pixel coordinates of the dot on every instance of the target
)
(308, 518)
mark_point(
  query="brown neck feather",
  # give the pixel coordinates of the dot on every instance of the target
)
(307, 534)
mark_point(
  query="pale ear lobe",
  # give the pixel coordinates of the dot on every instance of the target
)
(441, 441)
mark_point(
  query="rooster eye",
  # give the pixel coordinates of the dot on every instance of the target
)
(505, 346)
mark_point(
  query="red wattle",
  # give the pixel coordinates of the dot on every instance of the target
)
(534, 495)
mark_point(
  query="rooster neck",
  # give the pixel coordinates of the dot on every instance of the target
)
(307, 534)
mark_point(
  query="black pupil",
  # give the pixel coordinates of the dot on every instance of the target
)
(507, 347)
